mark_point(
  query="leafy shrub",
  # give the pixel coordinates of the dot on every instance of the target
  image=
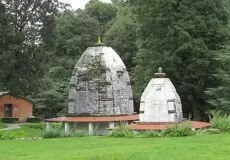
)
(152, 134)
(38, 126)
(53, 133)
(122, 131)
(76, 133)
(6, 136)
(179, 130)
(2, 125)
(57, 126)
(34, 120)
(60, 133)
(10, 120)
(220, 121)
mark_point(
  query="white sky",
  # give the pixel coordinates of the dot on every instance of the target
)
(79, 3)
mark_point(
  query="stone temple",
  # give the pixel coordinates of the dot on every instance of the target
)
(160, 101)
(100, 84)
(161, 106)
(100, 93)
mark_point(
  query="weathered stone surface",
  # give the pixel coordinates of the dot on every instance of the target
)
(160, 102)
(100, 84)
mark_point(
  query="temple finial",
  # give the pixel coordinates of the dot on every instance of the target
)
(160, 70)
(99, 41)
(160, 73)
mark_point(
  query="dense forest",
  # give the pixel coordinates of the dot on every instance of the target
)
(41, 41)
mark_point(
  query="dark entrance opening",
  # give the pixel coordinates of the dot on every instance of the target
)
(8, 110)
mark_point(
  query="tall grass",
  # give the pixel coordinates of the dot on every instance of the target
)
(219, 120)
(122, 131)
(152, 134)
(6, 136)
(57, 131)
(179, 130)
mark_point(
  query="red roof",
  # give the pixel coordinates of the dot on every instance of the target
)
(95, 119)
(195, 124)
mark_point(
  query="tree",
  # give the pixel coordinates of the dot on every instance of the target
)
(75, 31)
(102, 12)
(23, 54)
(181, 36)
(218, 97)
(122, 36)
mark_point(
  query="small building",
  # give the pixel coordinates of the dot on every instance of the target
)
(15, 107)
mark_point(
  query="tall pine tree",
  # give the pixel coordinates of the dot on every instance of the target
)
(181, 36)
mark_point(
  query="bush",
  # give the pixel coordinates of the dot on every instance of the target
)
(220, 121)
(2, 125)
(10, 120)
(122, 131)
(6, 136)
(76, 133)
(152, 134)
(179, 130)
(38, 126)
(52, 133)
(60, 133)
(34, 120)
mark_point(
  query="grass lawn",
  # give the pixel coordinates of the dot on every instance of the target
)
(24, 132)
(202, 147)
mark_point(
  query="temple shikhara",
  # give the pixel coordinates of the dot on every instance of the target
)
(100, 84)
(161, 106)
(160, 101)
(100, 93)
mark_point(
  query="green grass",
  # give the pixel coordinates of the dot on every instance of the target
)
(25, 132)
(201, 147)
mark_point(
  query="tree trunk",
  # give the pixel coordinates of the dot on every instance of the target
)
(196, 113)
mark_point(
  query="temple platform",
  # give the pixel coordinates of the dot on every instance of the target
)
(162, 126)
(93, 123)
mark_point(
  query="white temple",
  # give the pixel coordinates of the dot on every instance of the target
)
(160, 101)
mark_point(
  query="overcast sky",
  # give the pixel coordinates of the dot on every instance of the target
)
(79, 3)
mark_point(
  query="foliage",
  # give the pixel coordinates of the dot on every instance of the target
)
(24, 25)
(218, 97)
(10, 120)
(60, 133)
(2, 125)
(34, 120)
(179, 130)
(102, 12)
(75, 31)
(183, 43)
(122, 131)
(220, 121)
(38, 126)
(6, 136)
(121, 35)
(152, 134)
